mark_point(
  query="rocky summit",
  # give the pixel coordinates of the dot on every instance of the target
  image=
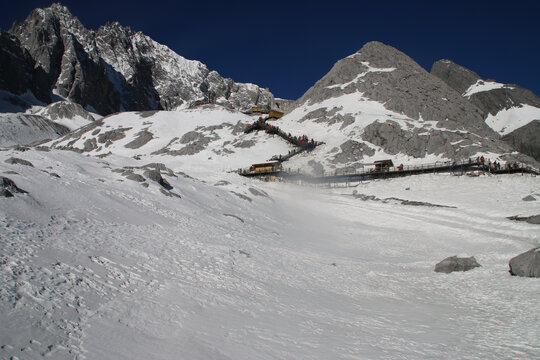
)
(379, 103)
(109, 70)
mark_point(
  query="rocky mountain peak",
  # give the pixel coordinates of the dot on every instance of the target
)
(510, 110)
(115, 69)
(457, 77)
(381, 73)
(382, 55)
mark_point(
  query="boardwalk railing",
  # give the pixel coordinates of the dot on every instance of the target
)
(301, 142)
(367, 174)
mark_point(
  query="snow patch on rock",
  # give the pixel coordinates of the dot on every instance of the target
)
(483, 85)
(508, 120)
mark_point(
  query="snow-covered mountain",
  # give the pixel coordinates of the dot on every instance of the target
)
(510, 110)
(373, 105)
(129, 236)
(109, 70)
(379, 103)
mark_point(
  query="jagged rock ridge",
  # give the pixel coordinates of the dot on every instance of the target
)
(488, 95)
(114, 68)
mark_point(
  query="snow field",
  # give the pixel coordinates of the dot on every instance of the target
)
(97, 266)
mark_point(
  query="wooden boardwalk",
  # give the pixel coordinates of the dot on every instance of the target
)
(438, 167)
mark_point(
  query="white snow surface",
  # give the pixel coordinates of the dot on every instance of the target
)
(508, 120)
(72, 122)
(20, 129)
(363, 112)
(215, 123)
(97, 266)
(483, 85)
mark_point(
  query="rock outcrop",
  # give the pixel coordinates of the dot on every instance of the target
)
(526, 139)
(510, 110)
(66, 113)
(455, 263)
(388, 76)
(8, 188)
(526, 264)
(19, 73)
(488, 95)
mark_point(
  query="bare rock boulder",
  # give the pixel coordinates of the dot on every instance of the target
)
(526, 264)
(155, 175)
(8, 188)
(454, 263)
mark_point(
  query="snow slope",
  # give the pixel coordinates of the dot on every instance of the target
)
(508, 120)
(22, 129)
(95, 265)
(68, 114)
(205, 139)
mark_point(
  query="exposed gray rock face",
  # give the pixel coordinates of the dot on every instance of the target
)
(65, 51)
(112, 135)
(15, 161)
(136, 177)
(457, 77)
(19, 73)
(526, 139)
(418, 142)
(455, 263)
(155, 175)
(351, 151)
(65, 110)
(143, 137)
(526, 264)
(8, 187)
(115, 69)
(533, 219)
(492, 101)
(380, 99)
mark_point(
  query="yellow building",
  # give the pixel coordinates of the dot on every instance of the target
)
(267, 167)
(275, 114)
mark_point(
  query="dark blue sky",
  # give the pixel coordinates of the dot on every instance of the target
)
(288, 45)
